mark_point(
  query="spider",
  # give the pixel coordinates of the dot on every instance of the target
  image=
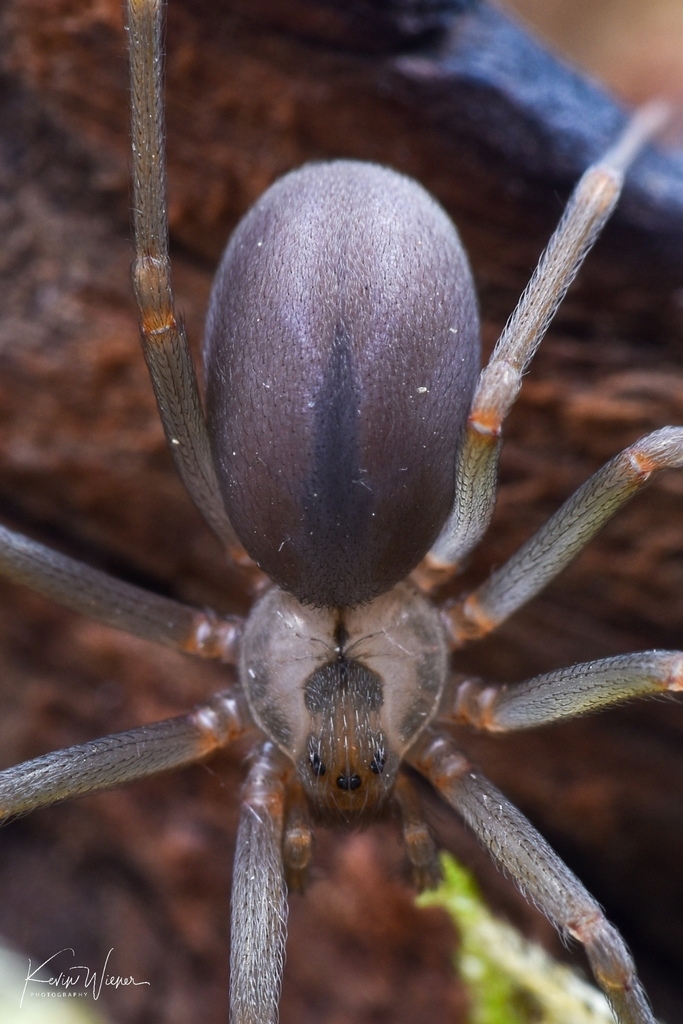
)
(350, 448)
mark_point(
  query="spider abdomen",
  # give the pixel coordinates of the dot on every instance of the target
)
(341, 354)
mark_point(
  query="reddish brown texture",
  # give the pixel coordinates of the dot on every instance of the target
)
(359, 949)
(83, 465)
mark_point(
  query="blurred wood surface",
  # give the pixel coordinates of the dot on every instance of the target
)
(499, 131)
(632, 47)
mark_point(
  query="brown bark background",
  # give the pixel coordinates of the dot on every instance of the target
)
(84, 467)
(632, 47)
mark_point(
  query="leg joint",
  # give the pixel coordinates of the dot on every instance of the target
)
(609, 958)
(474, 705)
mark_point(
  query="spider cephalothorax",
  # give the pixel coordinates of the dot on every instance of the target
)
(344, 692)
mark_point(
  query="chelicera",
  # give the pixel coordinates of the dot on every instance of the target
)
(349, 449)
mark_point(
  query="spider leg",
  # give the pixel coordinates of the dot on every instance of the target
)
(123, 757)
(420, 845)
(115, 603)
(550, 549)
(297, 843)
(163, 335)
(589, 208)
(566, 692)
(259, 893)
(521, 852)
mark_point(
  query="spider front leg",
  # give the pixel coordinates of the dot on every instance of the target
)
(587, 212)
(521, 852)
(123, 757)
(567, 692)
(259, 893)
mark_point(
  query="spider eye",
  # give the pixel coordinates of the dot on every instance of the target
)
(378, 762)
(316, 764)
(349, 781)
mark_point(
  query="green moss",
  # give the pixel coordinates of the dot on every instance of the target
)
(510, 980)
